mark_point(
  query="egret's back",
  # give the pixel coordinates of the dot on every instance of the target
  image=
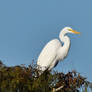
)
(48, 54)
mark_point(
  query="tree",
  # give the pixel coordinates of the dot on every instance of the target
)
(26, 79)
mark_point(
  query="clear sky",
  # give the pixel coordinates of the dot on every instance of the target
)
(27, 25)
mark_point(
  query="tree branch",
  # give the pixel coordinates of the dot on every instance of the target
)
(57, 89)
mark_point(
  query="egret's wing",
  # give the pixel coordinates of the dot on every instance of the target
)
(48, 54)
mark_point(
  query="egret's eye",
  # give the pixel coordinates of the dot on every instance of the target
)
(70, 29)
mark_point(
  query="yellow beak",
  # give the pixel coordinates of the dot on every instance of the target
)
(75, 32)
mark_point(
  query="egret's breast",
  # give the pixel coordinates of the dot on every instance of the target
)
(62, 53)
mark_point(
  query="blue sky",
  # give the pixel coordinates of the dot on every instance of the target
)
(27, 25)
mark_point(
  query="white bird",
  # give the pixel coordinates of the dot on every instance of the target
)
(54, 51)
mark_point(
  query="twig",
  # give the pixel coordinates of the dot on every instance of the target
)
(57, 89)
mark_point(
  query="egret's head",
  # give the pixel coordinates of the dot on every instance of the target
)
(70, 30)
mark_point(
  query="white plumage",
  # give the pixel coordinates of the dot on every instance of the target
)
(54, 52)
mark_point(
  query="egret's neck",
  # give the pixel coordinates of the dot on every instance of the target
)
(65, 39)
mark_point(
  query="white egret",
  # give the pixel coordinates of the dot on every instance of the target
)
(54, 51)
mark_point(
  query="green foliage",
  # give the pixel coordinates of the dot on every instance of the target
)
(26, 79)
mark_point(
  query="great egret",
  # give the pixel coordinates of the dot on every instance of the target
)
(54, 51)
